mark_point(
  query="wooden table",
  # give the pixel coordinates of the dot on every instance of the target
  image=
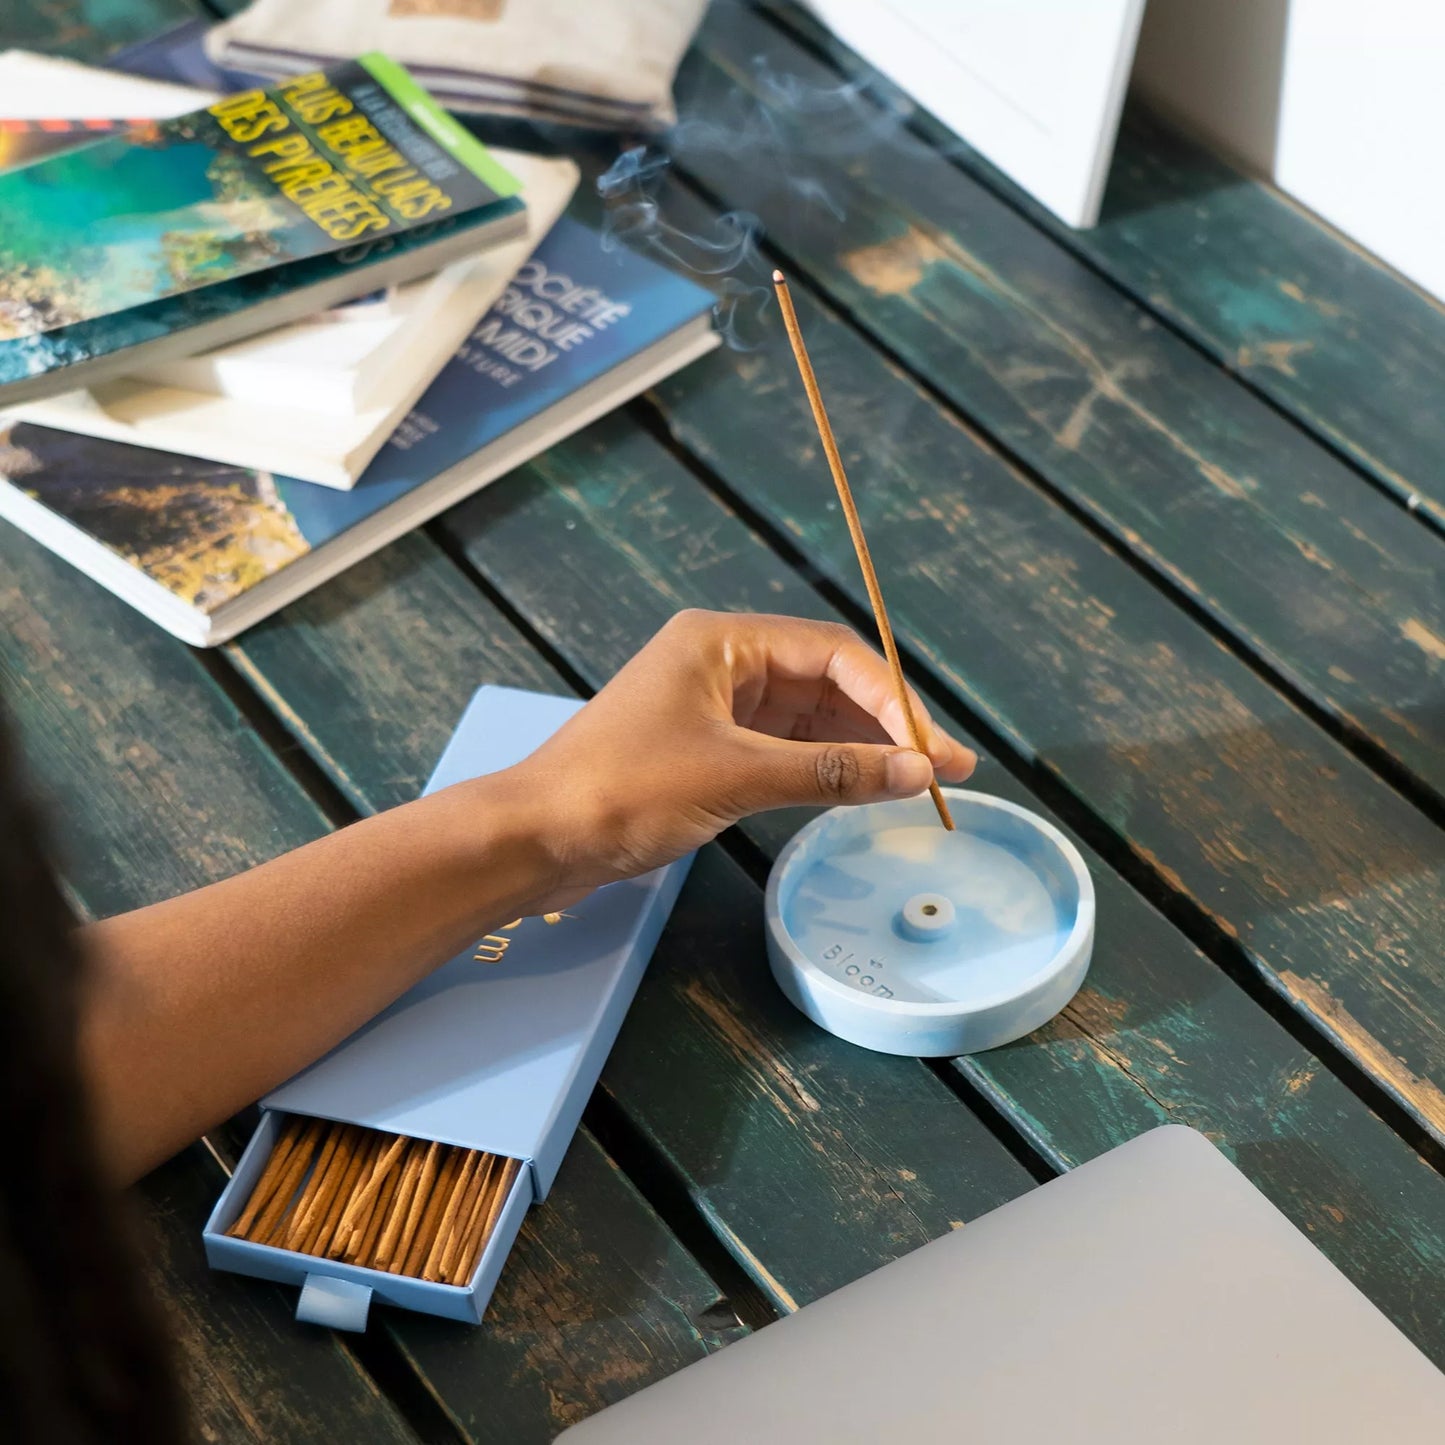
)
(1159, 508)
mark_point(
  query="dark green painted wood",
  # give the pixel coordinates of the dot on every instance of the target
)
(417, 640)
(160, 786)
(555, 1347)
(876, 1149)
(1324, 579)
(1158, 1035)
(1334, 886)
(87, 29)
(1313, 321)
(250, 1373)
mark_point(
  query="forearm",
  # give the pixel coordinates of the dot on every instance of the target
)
(197, 1006)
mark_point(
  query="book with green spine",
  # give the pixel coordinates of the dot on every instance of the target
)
(189, 232)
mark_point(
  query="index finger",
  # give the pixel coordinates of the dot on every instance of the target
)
(801, 652)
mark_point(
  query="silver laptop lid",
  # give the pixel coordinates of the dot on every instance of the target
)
(1152, 1295)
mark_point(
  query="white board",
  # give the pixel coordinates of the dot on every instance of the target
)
(1034, 85)
(1341, 104)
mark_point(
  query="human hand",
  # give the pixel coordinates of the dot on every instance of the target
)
(720, 716)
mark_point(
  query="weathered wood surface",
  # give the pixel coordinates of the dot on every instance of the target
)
(1337, 340)
(598, 1300)
(1331, 883)
(161, 785)
(1158, 1035)
(596, 545)
(813, 1162)
(1325, 580)
(87, 29)
(249, 1372)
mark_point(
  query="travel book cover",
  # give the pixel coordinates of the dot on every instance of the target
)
(208, 532)
(187, 219)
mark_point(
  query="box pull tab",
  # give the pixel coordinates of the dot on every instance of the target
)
(337, 1303)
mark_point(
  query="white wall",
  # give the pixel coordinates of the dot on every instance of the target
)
(1340, 102)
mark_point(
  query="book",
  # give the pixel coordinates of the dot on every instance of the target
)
(206, 549)
(284, 402)
(48, 105)
(30, 84)
(606, 64)
(386, 352)
(204, 227)
(178, 55)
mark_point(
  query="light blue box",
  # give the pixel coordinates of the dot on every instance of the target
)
(499, 1055)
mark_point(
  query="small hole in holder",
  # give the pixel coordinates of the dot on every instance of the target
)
(929, 909)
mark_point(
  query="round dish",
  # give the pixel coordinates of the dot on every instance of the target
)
(892, 933)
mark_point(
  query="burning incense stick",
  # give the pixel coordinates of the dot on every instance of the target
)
(855, 529)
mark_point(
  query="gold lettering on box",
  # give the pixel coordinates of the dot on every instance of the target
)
(493, 948)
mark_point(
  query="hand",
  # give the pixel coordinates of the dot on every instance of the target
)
(719, 716)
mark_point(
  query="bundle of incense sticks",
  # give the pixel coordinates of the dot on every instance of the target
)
(379, 1200)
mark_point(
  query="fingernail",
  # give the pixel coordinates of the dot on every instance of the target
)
(908, 773)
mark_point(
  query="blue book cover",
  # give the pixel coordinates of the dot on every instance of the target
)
(189, 221)
(208, 532)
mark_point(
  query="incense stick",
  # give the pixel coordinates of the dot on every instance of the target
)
(327, 1240)
(274, 1213)
(378, 1200)
(480, 1170)
(406, 1191)
(308, 1206)
(855, 530)
(365, 1246)
(433, 1269)
(261, 1195)
(416, 1209)
(431, 1220)
(366, 1197)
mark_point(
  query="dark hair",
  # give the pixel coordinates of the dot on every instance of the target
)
(83, 1358)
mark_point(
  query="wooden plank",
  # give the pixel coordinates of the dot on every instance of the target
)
(877, 1149)
(1158, 1035)
(249, 1373)
(1325, 580)
(556, 1347)
(1207, 773)
(1332, 885)
(1317, 324)
(87, 29)
(161, 785)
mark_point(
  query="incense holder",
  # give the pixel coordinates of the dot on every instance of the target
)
(897, 935)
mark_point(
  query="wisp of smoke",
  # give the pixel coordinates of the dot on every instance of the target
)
(633, 217)
(776, 124)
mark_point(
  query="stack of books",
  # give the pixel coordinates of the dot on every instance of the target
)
(247, 339)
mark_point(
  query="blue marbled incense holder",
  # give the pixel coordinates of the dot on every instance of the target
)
(892, 933)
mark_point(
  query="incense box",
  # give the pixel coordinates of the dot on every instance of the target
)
(497, 1051)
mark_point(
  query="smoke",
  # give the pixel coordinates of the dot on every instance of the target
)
(777, 122)
(628, 189)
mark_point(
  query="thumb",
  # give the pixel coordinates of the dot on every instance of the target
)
(780, 774)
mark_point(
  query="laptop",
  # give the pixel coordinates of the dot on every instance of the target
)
(1150, 1296)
